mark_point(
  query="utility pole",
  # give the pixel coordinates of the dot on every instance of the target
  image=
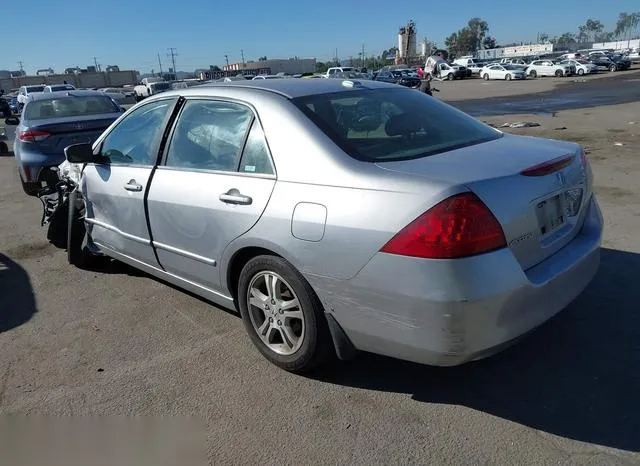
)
(242, 55)
(95, 62)
(160, 64)
(336, 57)
(21, 68)
(362, 56)
(172, 53)
(226, 58)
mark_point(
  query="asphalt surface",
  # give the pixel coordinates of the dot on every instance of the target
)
(116, 342)
(581, 92)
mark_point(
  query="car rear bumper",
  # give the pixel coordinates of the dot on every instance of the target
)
(447, 312)
(32, 164)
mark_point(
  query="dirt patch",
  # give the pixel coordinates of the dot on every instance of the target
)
(613, 192)
(30, 251)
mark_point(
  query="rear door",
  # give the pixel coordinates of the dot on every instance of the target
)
(212, 186)
(114, 191)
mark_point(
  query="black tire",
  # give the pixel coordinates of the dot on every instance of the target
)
(485, 77)
(613, 68)
(533, 74)
(317, 346)
(508, 77)
(31, 188)
(450, 77)
(580, 72)
(78, 253)
(559, 73)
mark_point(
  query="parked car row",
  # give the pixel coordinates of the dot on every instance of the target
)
(390, 235)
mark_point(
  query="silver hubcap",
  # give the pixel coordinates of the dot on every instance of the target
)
(276, 313)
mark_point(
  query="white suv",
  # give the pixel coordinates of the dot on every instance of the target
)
(547, 68)
(24, 92)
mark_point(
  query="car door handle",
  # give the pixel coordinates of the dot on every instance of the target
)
(233, 196)
(132, 185)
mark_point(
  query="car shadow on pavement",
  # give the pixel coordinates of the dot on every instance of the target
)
(578, 376)
(17, 301)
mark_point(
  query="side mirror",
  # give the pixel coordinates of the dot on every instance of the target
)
(12, 121)
(80, 153)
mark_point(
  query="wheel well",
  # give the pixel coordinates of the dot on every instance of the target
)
(237, 263)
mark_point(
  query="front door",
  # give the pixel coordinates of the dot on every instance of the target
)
(114, 192)
(212, 186)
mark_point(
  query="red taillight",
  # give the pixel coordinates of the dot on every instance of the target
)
(459, 226)
(33, 136)
(548, 167)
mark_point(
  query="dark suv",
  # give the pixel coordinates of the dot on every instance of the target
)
(398, 77)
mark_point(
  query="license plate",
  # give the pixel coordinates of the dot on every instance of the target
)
(551, 214)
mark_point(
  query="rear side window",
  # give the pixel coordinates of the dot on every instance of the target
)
(384, 125)
(34, 89)
(209, 135)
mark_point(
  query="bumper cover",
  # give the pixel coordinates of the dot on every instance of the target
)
(446, 313)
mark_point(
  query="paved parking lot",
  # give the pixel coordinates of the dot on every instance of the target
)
(115, 341)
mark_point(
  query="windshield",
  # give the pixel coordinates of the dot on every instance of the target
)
(64, 87)
(68, 107)
(160, 86)
(35, 89)
(384, 125)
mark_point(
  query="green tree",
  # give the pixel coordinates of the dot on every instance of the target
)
(567, 39)
(469, 39)
(321, 67)
(478, 29)
(489, 43)
(544, 37)
(626, 25)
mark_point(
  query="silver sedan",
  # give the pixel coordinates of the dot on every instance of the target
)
(339, 215)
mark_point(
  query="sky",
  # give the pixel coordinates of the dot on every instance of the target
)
(131, 33)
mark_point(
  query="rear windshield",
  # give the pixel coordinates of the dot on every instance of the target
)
(68, 107)
(384, 125)
(62, 88)
(35, 89)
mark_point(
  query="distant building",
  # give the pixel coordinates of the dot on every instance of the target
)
(45, 72)
(275, 66)
(526, 50)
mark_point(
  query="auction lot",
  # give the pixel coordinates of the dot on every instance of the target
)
(117, 342)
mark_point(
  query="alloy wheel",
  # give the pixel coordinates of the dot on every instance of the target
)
(275, 313)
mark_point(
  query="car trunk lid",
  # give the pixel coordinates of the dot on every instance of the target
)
(63, 132)
(539, 213)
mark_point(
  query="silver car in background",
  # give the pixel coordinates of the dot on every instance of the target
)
(338, 215)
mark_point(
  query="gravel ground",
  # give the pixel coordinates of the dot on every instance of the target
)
(117, 342)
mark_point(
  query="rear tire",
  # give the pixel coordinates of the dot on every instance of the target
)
(450, 77)
(580, 72)
(559, 73)
(613, 68)
(4, 149)
(78, 253)
(297, 338)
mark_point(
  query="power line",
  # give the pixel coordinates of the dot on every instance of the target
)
(160, 63)
(173, 54)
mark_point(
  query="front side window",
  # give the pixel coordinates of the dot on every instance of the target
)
(378, 125)
(135, 140)
(209, 135)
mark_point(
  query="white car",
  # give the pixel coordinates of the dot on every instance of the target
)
(582, 66)
(58, 88)
(498, 71)
(547, 68)
(24, 92)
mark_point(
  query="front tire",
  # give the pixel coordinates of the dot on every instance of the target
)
(580, 72)
(282, 315)
(558, 73)
(450, 77)
(485, 77)
(613, 68)
(78, 252)
(508, 77)
(533, 74)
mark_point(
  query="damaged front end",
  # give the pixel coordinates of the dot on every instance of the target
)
(55, 202)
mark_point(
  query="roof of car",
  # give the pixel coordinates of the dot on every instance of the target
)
(69, 93)
(292, 88)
